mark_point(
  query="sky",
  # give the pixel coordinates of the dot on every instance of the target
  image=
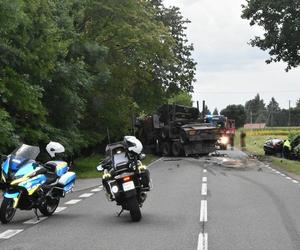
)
(229, 70)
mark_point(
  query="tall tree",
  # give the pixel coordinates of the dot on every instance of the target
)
(235, 112)
(215, 112)
(256, 110)
(280, 21)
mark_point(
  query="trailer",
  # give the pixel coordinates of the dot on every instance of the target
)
(177, 130)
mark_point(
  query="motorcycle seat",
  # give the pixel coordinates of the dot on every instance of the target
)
(51, 177)
(51, 166)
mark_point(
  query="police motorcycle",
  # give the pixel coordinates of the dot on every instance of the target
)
(28, 184)
(125, 179)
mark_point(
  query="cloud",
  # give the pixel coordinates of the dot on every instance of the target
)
(226, 62)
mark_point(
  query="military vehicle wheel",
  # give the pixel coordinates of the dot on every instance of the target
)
(176, 148)
(166, 149)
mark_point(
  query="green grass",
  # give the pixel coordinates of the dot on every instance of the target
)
(85, 167)
(255, 140)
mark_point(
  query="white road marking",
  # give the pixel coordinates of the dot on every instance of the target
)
(10, 233)
(97, 189)
(35, 220)
(204, 170)
(202, 241)
(203, 211)
(273, 170)
(71, 202)
(152, 163)
(204, 179)
(85, 195)
(59, 209)
(288, 178)
(204, 189)
(277, 172)
(283, 175)
(295, 181)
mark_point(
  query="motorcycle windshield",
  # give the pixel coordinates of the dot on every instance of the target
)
(26, 152)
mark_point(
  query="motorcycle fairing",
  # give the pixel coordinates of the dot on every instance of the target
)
(5, 166)
(67, 181)
(14, 195)
(34, 183)
(27, 168)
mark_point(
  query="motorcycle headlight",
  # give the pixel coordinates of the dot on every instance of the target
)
(224, 140)
(114, 189)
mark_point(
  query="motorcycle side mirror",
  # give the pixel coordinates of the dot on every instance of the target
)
(100, 168)
(142, 156)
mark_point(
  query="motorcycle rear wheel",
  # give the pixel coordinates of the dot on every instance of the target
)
(134, 208)
(7, 211)
(49, 207)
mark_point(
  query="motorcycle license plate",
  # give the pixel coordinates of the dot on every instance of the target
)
(128, 186)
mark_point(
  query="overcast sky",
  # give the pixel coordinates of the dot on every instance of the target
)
(230, 71)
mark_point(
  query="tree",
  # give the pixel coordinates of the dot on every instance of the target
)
(182, 98)
(280, 20)
(256, 110)
(298, 104)
(273, 108)
(216, 112)
(235, 112)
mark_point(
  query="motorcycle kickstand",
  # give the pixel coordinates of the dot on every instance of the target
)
(119, 214)
(36, 214)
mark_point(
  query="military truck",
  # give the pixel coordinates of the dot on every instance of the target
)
(177, 130)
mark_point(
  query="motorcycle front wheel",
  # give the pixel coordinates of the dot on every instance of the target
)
(7, 210)
(49, 207)
(134, 209)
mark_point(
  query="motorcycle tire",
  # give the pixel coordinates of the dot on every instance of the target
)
(134, 209)
(7, 211)
(49, 207)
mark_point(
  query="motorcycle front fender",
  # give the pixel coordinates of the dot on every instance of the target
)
(15, 196)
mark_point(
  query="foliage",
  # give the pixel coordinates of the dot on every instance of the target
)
(182, 98)
(71, 70)
(280, 21)
(235, 112)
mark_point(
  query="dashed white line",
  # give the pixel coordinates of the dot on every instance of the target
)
(202, 241)
(204, 170)
(35, 220)
(204, 189)
(71, 202)
(288, 178)
(203, 211)
(59, 209)
(85, 195)
(277, 172)
(204, 179)
(295, 181)
(10, 233)
(97, 189)
(283, 175)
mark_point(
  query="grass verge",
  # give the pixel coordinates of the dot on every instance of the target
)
(85, 167)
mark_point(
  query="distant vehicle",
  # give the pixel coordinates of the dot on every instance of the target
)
(225, 126)
(273, 147)
(177, 130)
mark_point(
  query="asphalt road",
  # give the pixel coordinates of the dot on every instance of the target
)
(206, 203)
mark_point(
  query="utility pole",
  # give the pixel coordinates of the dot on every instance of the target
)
(251, 116)
(289, 121)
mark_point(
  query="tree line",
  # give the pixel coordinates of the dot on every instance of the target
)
(73, 70)
(257, 111)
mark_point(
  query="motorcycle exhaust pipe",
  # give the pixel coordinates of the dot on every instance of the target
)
(143, 197)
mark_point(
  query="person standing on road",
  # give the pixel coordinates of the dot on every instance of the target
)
(243, 140)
